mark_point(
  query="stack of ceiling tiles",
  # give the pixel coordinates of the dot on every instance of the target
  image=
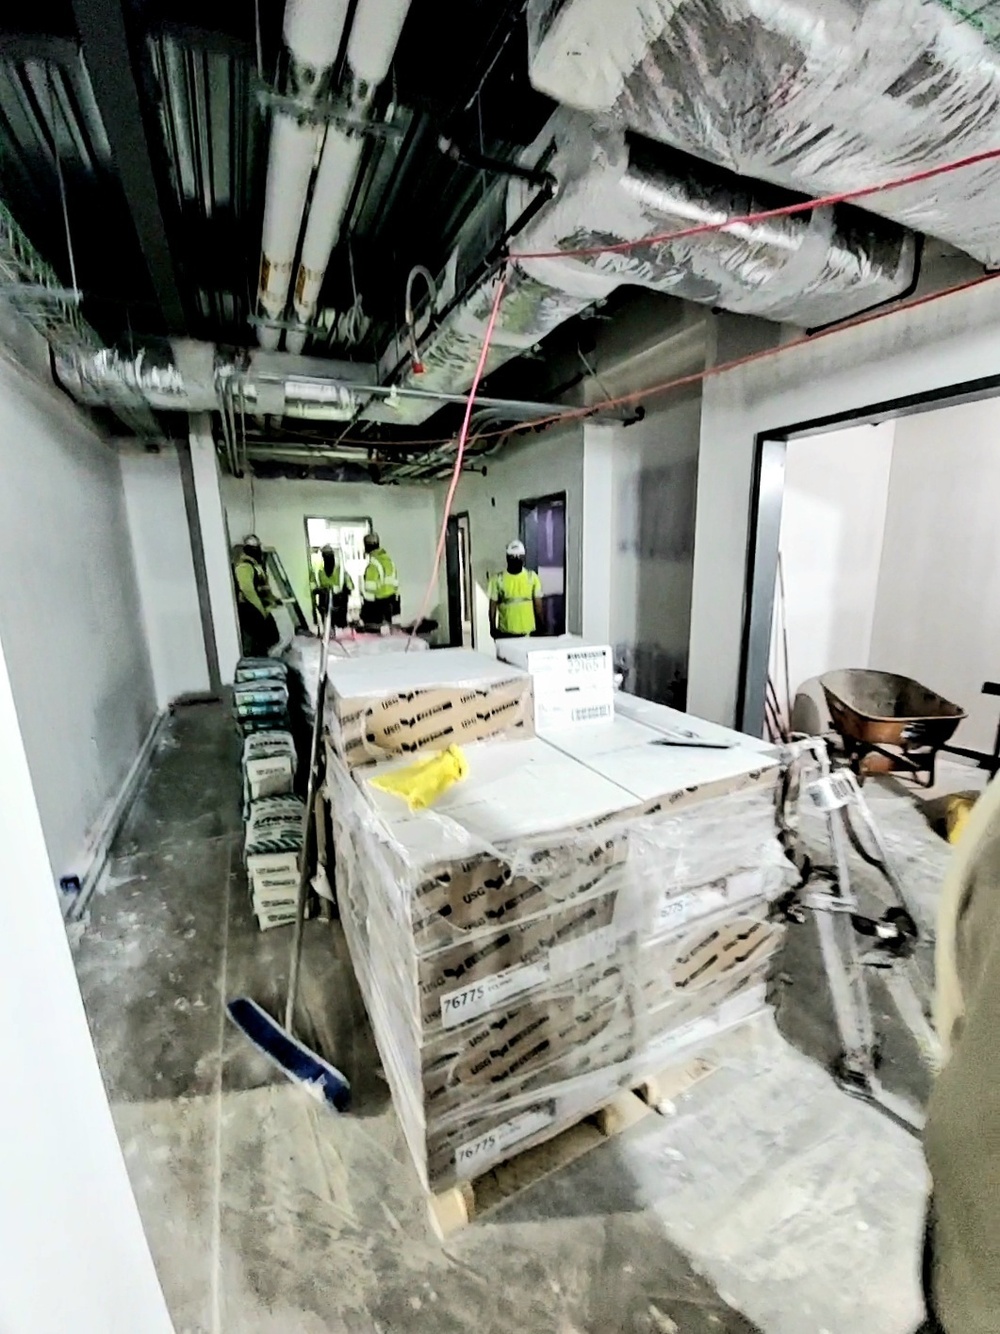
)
(580, 912)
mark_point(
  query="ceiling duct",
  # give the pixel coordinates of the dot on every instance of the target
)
(808, 268)
(33, 289)
(819, 96)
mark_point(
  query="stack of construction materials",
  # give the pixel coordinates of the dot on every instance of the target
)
(260, 695)
(578, 913)
(303, 655)
(572, 679)
(268, 766)
(272, 846)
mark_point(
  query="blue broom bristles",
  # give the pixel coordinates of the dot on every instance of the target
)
(322, 1080)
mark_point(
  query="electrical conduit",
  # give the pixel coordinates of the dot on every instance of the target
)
(312, 34)
(370, 49)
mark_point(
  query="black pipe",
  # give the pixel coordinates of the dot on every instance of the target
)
(468, 157)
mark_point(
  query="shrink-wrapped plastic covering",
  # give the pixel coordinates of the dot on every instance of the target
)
(808, 268)
(820, 96)
(545, 937)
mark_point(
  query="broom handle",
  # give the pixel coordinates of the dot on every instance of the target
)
(307, 816)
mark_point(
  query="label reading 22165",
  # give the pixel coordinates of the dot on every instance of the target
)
(456, 1003)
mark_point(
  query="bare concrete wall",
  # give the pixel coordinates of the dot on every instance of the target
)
(70, 615)
(654, 477)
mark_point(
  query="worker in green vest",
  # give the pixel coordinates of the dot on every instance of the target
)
(515, 597)
(380, 586)
(254, 600)
(331, 581)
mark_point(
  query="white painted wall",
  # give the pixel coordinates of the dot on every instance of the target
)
(655, 467)
(938, 344)
(598, 530)
(71, 622)
(938, 611)
(74, 1255)
(832, 525)
(404, 517)
(161, 545)
(543, 465)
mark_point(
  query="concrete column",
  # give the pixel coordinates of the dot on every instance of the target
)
(215, 545)
(74, 1255)
(598, 515)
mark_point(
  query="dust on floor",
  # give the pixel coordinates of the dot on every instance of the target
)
(767, 1201)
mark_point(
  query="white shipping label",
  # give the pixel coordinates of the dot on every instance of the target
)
(573, 955)
(474, 1157)
(833, 791)
(478, 997)
(673, 911)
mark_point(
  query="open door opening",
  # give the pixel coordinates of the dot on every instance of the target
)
(458, 566)
(543, 532)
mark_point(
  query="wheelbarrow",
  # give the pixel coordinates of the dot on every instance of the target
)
(889, 723)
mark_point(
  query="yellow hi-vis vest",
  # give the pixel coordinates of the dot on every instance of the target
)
(381, 580)
(515, 596)
(335, 582)
(252, 584)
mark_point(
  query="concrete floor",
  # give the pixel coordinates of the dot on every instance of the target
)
(766, 1200)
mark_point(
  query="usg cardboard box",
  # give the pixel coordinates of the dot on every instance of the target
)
(406, 703)
(572, 680)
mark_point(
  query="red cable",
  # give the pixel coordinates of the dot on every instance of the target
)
(804, 206)
(460, 454)
(573, 414)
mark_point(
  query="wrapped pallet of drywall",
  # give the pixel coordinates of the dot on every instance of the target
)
(272, 847)
(572, 679)
(406, 704)
(547, 935)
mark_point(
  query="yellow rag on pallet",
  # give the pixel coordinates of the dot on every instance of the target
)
(422, 783)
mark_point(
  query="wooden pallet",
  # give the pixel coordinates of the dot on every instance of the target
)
(452, 1209)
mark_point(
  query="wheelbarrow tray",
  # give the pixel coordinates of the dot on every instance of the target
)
(883, 709)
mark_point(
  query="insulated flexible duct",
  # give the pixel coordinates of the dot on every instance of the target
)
(820, 96)
(809, 268)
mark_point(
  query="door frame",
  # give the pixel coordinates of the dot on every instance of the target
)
(523, 506)
(766, 496)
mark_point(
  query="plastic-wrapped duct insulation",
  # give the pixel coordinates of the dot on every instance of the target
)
(809, 268)
(816, 95)
(187, 376)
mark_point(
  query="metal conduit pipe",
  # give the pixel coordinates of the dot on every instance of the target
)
(370, 48)
(312, 33)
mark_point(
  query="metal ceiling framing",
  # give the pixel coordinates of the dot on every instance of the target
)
(111, 65)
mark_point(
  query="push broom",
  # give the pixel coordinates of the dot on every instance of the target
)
(279, 1044)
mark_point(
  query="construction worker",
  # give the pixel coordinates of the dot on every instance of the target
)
(515, 597)
(380, 586)
(962, 1137)
(329, 580)
(254, 600)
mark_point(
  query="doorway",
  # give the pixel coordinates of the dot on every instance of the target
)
(458, 566)
(543, 532)
(348, 536)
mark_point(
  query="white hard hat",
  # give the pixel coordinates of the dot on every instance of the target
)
(251, 540)
(515, 548)
(328, 547)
